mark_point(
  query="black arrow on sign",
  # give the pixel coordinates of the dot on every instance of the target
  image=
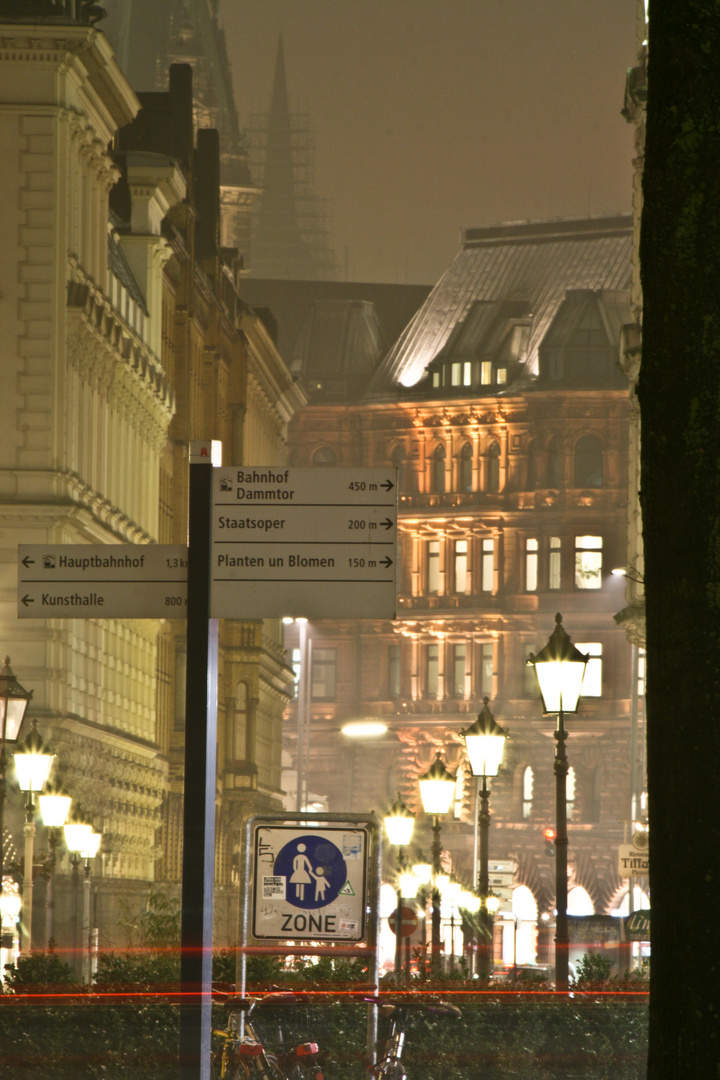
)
(387, 561)
(387, 523)
(27, 561)
(27, 600)
(388, 485)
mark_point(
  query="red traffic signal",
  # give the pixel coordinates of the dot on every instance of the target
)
(549, 834)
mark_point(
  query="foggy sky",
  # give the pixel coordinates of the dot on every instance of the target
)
(431, 115)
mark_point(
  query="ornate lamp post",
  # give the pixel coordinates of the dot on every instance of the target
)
(484, 744)
(54, 810)
(32, 766)
(399, 825)
(14, 700)
(560, 669)
(437, 790)
(77, 839)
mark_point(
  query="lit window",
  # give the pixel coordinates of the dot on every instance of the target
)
(641, 673)
(588, 562)
(394, 671)
(323, 675)
(554, 563)
(461, 562)
(433, 566)
(436, 378)
(527, 792)
(570, 792)
(431, 671)
(486, 373)
(493, 465)
(455, 374)
(488, 566)
(486, 669)
(458, 671)
(296, 666)
(531, 565)
(459, 790)
(592, 682)
(465, 470)
(467, 373)
(501, 376)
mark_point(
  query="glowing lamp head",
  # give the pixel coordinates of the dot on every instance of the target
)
(492, 903)
(33, 762)
(399, 823)
(423, 872)
(408, 886)
(77, 836)
(14, 700)
(54, 809)
(560, 669)
(484, 743)
(437, 788)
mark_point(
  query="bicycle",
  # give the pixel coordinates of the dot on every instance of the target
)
(390, 1066)
(244, 1054)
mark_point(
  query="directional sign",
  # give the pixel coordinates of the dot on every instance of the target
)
(314, 542)
(310, 883)
(102, 581)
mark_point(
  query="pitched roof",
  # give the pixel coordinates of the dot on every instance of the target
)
(531, 263)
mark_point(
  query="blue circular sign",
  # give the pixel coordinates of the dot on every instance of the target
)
(314, 871)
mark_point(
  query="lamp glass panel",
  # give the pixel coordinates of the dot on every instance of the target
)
(399, 829)
(408, 886)
(33, 770)
(76, 836)
(485, 753)
(560, 684)
(12, 722)
(423, 872)
(492, 903)
(437, 795)
(92, 845)
(54, 809)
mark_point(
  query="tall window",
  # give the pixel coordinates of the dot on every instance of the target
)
(486, 372)
(486, 669)
(433, 567)
(297, 667)
(554, 563)
(237, 750)
(394, 684)
(460, 373)
(431, 671)
(493, 467)
(592, 682)
(530, 683)
(461, 564)
(527, 792)
(488, 566)
(437, 478)
(398, 460)
(531, 564)
(554, 464)
(570, 785)
(465, 468)
(458, 671)
(324, 456)
(532, 468)
(588, 463)
(323, 674)
(588, 562)
(180, 677)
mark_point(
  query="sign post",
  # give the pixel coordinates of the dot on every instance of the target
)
(198, 864)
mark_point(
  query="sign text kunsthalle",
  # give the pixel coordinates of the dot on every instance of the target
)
(316, 542)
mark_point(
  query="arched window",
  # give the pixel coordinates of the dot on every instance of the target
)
(532, 467)
(437, 478)
(324, 456)
(554, 464)
(579, 902)
(465, 468)
(493, 468)
(527, 792)
(588, 463)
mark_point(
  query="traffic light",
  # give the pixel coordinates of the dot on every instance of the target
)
(549, 835)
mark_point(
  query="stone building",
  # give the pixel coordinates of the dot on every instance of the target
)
(503, 406)
(123, 337)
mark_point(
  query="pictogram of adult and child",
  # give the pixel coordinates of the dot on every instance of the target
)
(303, 874)
(314, 869)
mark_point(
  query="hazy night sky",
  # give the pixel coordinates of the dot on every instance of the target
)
(430, 115)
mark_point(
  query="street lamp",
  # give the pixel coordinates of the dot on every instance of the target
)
(437, 790)
(77, 837)
(399, 825)
(560, 669)
(14, 700)
(484, 744)
(32, 767)
(54, 810)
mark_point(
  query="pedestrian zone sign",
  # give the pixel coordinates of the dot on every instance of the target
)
(310, 883)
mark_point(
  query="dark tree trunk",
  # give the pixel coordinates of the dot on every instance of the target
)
(679, 391)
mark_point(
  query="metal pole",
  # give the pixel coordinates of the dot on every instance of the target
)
(27, 889)
(435, 851)
(398, 937)
(198, 863)
(562, 940)
(301, 706)
(484, 880)
(86, 924)
(3, 766)
(50, 894)
(75, 859)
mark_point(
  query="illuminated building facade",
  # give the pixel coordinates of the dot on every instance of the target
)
(503, 406)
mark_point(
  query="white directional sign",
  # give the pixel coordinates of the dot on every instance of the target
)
(310, 882)
(314, 542)
(102, 581)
